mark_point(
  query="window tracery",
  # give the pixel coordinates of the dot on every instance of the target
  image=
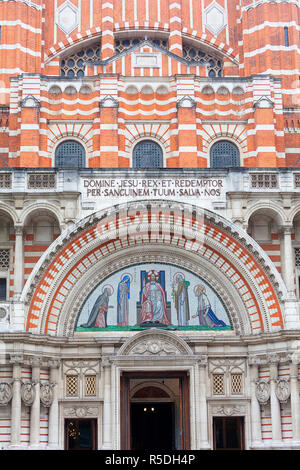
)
(73, 66)
(214, 64)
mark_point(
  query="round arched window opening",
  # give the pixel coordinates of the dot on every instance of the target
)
(224, 154)
(70, 154)
(147, 154)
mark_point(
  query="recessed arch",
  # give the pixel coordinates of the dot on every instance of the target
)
(147, 154)
(224, 154)
(70, 154)
(223, 250)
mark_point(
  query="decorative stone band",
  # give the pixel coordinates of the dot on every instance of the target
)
(262, 391)
(206, 235)
(6, 393)
(28, 392)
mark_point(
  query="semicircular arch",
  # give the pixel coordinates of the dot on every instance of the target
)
(106, 239)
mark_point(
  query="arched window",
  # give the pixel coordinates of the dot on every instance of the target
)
(70, 154)
(147, 154)
(224, 154)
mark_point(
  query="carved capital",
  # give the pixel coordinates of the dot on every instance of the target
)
(17, 359)
(54, 364)
(203, 360)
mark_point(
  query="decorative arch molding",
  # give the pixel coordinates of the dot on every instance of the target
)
(9, 212)
(233, 133)
(155, 342)
(52, 210)
(195, 237)
(276, 209)
(140, 386)
(85, 37)
(73, 131)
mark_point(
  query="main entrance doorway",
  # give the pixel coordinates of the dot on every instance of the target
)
(155, 411)
(152, 426)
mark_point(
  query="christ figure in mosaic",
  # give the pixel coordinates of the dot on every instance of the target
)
(154, 308)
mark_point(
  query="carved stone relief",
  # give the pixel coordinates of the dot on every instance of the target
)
(5, 393)
(28, 393)
(229, 410)
(46, 394)
(81, 411)
(283, 389)
(262, 391)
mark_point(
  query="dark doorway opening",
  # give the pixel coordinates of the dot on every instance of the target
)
(152, 426)
(80, 434)
(229, 433)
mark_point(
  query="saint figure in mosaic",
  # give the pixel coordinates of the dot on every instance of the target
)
(123, 296)
(181, 299)
(98, 315)
(204, 311)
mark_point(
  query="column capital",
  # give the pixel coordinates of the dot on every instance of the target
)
(17, 359)
(285, 229)
(54, 363)
(35, 361)
(203, 360)
(106, 361)
(19, 229)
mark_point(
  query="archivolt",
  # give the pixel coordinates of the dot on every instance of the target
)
(233, 263)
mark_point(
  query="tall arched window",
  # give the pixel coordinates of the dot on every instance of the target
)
(70, 154)
(224, 154)
(147, 154)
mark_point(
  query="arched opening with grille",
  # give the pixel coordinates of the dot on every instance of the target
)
(224, 154)
(70, 154)
(147, 154)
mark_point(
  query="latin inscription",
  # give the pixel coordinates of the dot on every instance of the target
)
(153, 188)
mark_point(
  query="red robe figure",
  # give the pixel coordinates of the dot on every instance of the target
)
(154, 308)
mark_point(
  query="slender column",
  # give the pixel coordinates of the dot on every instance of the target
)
(15, 439)
(107, 406)
(203, 403)
(19, 262)
(287, 259)
(275, 407)
(53, 409)
(295, 404)
(35, 407)
(256, 435)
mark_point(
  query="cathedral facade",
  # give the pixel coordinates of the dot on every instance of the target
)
(149, 224)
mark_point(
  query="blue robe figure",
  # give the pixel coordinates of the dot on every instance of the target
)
(204, 310)
(123, 295)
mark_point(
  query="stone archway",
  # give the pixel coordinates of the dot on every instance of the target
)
(94, 248)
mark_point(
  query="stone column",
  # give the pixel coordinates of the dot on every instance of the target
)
(19, 262)
(35, 407)
(107, 406)
(295, 404)
(275, 405)
(53, 425)
(288, 259)
(202, 363)
(16, 404)
(256, 436)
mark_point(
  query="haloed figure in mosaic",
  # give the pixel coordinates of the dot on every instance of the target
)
(154, 309)
(181, 299)
(98, 315)
(123, 296)
(204, 311)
